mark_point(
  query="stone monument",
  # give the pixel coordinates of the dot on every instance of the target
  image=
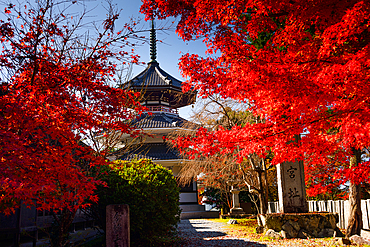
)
(294, 220)
(291, 187)
(118, 226)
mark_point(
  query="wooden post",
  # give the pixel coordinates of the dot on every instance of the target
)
(118, 226)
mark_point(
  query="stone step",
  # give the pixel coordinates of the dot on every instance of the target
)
(192, 207)
(199, 215)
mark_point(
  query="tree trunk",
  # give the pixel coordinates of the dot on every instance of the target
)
(355, 217)
(263, 192)
(263, 203)
(60, 228)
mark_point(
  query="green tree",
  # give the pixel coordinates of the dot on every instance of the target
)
(152, 194)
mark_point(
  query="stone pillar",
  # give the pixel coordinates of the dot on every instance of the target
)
(118, 226)
(236, 204)
(291, 187)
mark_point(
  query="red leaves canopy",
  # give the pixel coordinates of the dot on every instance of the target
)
(53, 90)
(304, 67)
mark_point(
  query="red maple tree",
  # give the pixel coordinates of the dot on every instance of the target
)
(55, 88)
(304, 67)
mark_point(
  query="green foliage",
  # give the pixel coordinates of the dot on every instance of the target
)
(216, 196)
(237, 117)
(267, 35)
(150, 191)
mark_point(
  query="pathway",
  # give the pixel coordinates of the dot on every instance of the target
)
(202, 232)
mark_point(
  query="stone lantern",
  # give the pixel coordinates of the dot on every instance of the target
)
(236, 209)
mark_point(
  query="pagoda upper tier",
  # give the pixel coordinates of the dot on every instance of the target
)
(159, 90)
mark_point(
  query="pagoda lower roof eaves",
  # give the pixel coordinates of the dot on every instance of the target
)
(160, 120)
(153, 151)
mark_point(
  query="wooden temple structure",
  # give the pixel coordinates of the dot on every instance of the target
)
(162, 95)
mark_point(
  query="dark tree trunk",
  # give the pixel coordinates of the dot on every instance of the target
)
(60, 228)
(263, 203)
(355, 217)
(263, 191)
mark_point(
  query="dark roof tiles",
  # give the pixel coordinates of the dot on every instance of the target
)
(153, 75)
(160, 120)
(153, 151)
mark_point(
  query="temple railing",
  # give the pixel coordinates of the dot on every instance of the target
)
(162, 109)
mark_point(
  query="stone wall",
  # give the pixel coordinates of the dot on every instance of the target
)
(340, 206)
(301, 225)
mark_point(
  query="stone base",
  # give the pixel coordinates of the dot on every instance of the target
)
(199, 215)
(195, 211)
(236, 211)
(238, 216)
(192, 207)
(302, 225)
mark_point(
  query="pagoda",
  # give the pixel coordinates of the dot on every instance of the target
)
(162, 95)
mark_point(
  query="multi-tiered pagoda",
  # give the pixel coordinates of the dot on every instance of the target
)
(162, 95)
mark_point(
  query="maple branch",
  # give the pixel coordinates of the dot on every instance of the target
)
(251, 188)
(316, 61)
(293, 126)
(283, 13)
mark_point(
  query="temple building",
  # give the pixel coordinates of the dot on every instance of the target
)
(162, 95)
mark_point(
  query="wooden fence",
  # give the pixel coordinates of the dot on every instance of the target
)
(30, 220)
(341, 207)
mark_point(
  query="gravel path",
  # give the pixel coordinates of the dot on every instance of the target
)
(207, 233)
(200, 232)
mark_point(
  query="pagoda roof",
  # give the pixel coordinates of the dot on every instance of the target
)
(153, 151)
(160, 120)
(153, 77)
(156, 86)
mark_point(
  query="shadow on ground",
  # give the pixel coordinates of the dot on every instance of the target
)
(208, 233)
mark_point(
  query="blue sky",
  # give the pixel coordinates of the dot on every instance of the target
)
(168, 52)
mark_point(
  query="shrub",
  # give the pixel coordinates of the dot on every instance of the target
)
(150, 191)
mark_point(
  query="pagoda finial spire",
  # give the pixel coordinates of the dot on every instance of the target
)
(153, 43)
